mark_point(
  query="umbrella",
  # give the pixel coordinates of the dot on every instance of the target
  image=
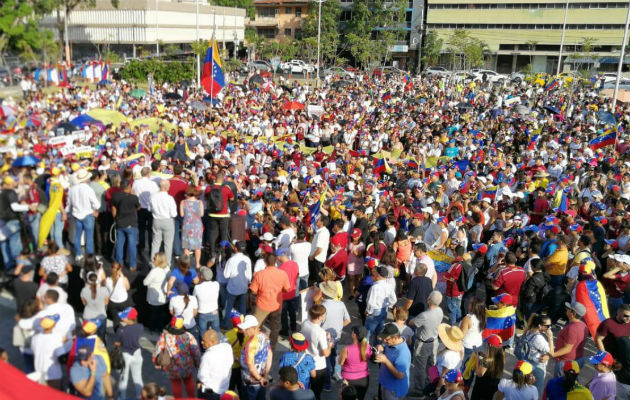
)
(84, 120)
(108, 116)
(256, 80)
(6, 111)
(138, 93)
(25, 161)
(292, 105)
(198, 106)
(64, 128)
(172, 96)
(606, 117)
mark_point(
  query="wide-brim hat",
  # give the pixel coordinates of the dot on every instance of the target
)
(329, 289)
(451, 336)
(82, 175)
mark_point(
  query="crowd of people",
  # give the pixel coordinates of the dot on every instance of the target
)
(410, 223)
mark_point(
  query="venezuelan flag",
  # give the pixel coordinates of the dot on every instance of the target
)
(411, 163)
(591, 293)
(93, 341)
(500, 322)
(551, 85)
(212, 77)
(380, 166)
(386, 96)
(609, 137)
(314, 211)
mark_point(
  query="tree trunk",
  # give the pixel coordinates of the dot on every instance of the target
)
(60, 29)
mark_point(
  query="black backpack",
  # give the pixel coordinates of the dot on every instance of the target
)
(215, 199)
(466, 278)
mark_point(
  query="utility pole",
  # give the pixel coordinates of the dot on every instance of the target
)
(620, 65)
(157, 29)
(65, 36)
(564, 27)
(197, 42)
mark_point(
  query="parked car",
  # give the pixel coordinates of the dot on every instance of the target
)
(338, 71)
(517, 77)
(491, 76)
(458, 76)
(436, 71)
(259, 65)
(297, 67)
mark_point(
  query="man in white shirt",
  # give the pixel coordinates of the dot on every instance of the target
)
(319, 246)
(47, 347)
(380, 297)
(300, 251)
(207, 294)
(83, 205)
(163, 210)
(319, 346)
(144, 187)
(238, 274)
(66, 323)
(214, 375)
(286, 235)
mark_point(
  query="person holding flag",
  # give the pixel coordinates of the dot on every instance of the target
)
(212, 77)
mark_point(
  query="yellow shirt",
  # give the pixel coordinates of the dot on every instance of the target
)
(558, 261)
(237, 347)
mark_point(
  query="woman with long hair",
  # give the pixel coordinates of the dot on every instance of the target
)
(183, 273)
(520, 386)
(186, 306)
(354, 361)
(118, 286)
(95, 299)
(155, 282)
(489, 363)
(183, 352)
(472, 325)
(539, 338)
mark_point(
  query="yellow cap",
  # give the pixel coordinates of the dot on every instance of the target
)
(89, 327)
(55, 171)
(47, 323)
(75, 167)
(8, 180)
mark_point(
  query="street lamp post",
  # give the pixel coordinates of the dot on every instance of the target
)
(564, 27)
(157, 27)
(197, 42)
(620, 64)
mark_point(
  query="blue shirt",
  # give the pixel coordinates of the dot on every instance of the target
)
(400, 357)
(304, 368)
(188, 279)
(79, 373)
(548, 248)
(493, 252)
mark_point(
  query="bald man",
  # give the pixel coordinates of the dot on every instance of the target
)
(163, 209)
(213, 376)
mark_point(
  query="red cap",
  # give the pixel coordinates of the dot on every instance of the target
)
(494, 341)
(356, 232)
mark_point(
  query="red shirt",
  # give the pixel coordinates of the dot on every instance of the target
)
(576, 334)
(227, 196)
(509, 280)
(541, 205)
(178, 190)
(293, 272)
(451, 283)
(338, 262)
(342, 237)
(374, 252)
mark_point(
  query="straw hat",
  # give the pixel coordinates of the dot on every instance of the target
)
(451, 336)
(82, 175)
(329, 289)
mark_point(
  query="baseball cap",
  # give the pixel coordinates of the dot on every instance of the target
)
(480, 247)
(453, 376)
(587, 266)
(128, 313)
(523, 366)
(494, 341)
(571, 366)
(504, 298)
(282, 252)
(90, 326)
(177, 322)
(356, 232)
(250, 321)
(229, 395)
(390, 329)
(371, 262)
(49, 321)
(427, 210)
(236, 317)
(577, 308)
(602, 357)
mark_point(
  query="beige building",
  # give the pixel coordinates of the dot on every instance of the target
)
(279, 19)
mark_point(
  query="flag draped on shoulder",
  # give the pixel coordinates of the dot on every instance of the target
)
(315, 210)
(592, 295)
(500, 322)
(212, 77)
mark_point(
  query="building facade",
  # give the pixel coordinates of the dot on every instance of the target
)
(144, 23)
(279, 20)
(528, 32)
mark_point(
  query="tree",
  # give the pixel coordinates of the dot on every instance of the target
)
(588, 45)
(69, 6)
(331, 10)
(432, 49)
(19, 25)
(470, 49)
(248, 5)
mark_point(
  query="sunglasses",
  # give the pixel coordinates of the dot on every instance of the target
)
(547, 325)
(626, 316)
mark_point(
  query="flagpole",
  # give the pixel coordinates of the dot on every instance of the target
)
(564, 27)
(197, 39)
(214, 29)
(620, 64)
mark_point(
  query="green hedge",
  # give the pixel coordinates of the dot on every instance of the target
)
(172, 71)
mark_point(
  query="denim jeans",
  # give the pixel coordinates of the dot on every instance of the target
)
(12, 246)
(289, 314)
(86, 224)
(374, 323)
(233, 301)
(454, 306)
(56, 231)
(539, 374)
(177, 238)
(255, 392)
(130, 235)
(203, 320)
(133, 366)
(33, 225)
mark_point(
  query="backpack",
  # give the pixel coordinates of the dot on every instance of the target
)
(523, 346)
(215, 199)
(466, 278)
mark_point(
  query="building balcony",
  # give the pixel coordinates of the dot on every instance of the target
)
(263, 22)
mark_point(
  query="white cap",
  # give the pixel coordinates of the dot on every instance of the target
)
(427, 210)
(249, 322)
(487, 200)
(267, 236)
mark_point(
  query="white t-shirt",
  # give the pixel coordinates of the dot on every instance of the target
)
(118, 293)
(47, 347)
(317, 342)
(207, 294)
(177, 306)
(321, 240)
(299, 253)
(511, 392)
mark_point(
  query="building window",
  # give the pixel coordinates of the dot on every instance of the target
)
(269, 33)
(287, 31)
(266, 12)
(288, 10)
(298, 11)
(298, 33)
